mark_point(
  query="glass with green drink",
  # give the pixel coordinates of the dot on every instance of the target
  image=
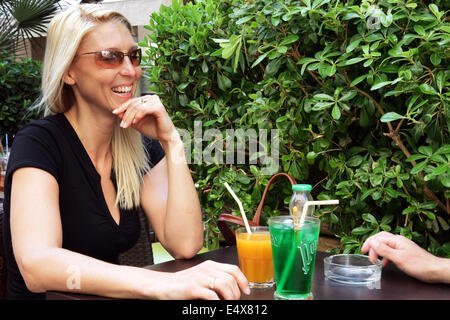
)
(294, 246)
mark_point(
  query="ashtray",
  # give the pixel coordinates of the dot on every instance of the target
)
(353, 269)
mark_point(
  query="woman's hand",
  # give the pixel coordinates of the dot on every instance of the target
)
(209, 281)
(147, 115)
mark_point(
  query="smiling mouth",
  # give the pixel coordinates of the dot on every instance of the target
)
(122, 89)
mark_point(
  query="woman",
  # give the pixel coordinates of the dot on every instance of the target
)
(76, 177)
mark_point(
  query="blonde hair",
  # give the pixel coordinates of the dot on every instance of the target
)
(65, 33)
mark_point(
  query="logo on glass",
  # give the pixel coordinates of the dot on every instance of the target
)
(307, 251)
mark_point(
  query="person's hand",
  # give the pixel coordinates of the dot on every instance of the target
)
(208, 281)
(147, 115)
(407, 255)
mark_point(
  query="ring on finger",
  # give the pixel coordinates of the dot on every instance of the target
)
(143, 100)
(212, 283)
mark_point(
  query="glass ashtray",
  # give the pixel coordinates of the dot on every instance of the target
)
(353, 269)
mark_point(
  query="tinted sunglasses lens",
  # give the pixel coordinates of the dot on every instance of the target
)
(135, 57)
(109, 59)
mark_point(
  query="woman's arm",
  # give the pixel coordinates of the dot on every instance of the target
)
(171, 203)
(37, 238)
(168, 195)
(36, 234)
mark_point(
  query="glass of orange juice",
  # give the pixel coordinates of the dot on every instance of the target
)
(255, 256)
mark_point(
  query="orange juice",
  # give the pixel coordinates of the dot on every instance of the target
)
(255, 256)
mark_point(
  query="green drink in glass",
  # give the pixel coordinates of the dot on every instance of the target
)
(294, 252)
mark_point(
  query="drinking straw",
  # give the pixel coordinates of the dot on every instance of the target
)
(6, 135)
(314, 203)
(291, 259)
(241, 208)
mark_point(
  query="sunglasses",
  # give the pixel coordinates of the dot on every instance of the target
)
(110, 59)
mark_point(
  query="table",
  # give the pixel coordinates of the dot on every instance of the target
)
(394, 284)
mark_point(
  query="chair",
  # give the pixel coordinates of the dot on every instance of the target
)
(141, 254)
(225, 218)
(2, 258)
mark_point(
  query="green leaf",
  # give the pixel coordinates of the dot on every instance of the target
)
(442, 168)
(376, 180)
(322, 105)
(353, 45)
(380, 85)
(244, 19)
(428, 205)
(260, 58)
(350, 62)
(445, 149)
(223, 81)
(182, 86)
(331, 70)
(236, 57)
(391, 116)
(307, 60)
(242, 178)
(358, 80)
(229, 49)
(416, 157)
(426, 150)
(361, 230)
(427, 89)
(194, 105)
(437, 171)
(336, 112)
(440, 80)
(334, 218)
(311, 155)
(323, 96)
(408, 210)
(391, 193)
(420, 30)
(445, 180)
(443, 223)
(430, 215)
(419, 167)
(355, 161)
(348, 95)
(282, 49)
(367, 193)
(204, 67)
(387, 219)
(289, 39)
(273, 67)
(369, 218)
(435, 59)
(434, 8)
(282, 119)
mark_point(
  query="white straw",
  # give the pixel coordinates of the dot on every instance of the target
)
(314, 203)
(247, 226)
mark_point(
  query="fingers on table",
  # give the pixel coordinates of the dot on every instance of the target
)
(383, 244)
(238, 276)
(227, 280)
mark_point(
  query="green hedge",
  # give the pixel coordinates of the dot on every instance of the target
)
(20, 82)
(358, 92)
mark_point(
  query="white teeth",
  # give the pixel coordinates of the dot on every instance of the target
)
(122, 89)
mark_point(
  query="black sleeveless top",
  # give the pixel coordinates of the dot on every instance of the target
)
(51, 144)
